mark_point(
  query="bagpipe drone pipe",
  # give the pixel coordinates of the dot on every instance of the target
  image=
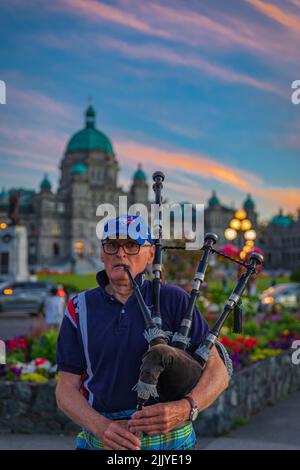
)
(168, 371)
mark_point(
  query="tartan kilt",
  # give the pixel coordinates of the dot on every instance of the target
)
(181, 438)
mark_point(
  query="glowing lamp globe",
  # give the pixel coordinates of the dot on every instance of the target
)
(240, 214)
(250, 235)
(246, 224)
(235, 224)
(230, 234)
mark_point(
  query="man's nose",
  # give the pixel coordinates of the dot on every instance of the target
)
(121, 253)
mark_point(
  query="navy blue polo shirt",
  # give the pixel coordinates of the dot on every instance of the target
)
(102, 340)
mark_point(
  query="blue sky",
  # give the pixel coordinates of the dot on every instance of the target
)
(201, 90)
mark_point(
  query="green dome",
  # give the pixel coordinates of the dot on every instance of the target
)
(139, 174)
(4, 194)
(249, 204)
(4, 197)
(281, 220)
(89, 138)
(45, 184)
(213, 200)
(79, 169)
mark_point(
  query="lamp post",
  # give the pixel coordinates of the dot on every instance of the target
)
(240, 227)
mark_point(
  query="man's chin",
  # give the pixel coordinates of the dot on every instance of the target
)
(118, 274)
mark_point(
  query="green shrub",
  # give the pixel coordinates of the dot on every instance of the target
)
(295, 276)
(251, 328)
(45, 346)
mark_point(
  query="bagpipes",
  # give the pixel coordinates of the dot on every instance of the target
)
(168, 371)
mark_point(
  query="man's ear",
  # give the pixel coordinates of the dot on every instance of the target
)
(151, 254)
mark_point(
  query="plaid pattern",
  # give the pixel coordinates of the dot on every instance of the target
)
(181, 438)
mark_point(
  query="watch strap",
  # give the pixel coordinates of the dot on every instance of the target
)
(193, 405)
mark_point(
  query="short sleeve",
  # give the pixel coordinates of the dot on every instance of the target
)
(69, 352)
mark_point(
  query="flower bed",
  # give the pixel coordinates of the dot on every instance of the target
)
(33, 359)
(30, 359)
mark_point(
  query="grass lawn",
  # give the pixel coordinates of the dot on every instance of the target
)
(88, 281)
(80, 281)
(261, 283)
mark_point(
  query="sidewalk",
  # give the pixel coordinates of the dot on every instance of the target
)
(36, 442)
(275, 428)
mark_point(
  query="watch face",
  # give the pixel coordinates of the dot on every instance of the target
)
(194, 414)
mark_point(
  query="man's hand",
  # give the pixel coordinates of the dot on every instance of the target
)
(116, 437)
(160, 418)
(69, 399)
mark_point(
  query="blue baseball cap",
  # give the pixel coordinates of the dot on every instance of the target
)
(133, 226)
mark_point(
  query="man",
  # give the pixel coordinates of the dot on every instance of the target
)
(100, 348)
(54, 310)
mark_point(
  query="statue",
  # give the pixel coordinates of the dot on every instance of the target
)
(13, 210)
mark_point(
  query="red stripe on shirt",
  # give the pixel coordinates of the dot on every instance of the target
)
(72, 312)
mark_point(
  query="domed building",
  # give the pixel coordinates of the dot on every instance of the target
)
(217, 216)
(61, 226)
(282, 242)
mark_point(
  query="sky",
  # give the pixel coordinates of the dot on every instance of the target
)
(198, 89)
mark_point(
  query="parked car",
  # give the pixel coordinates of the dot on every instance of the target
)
(27, 296)
(284, 295)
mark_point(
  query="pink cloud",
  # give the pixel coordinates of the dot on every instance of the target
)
(95, 11)
(215, 30)
(179, 165)
(218, 30)
(44, 104)
(286, 198)
(33, 165)
(36, 142)
(166, 55)
(198, 165)
(288, 20)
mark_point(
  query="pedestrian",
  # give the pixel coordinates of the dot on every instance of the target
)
(100, 349)
(54, 308)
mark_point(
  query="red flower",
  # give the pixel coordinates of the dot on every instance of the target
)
(22, 343)
(39, 362)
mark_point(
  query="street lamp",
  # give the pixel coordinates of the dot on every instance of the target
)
(79, 248)
(241, 226)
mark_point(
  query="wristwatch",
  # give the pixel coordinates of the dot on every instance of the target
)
(194, 409)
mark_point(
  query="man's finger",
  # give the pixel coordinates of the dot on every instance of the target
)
(127, 435)
(155, 428)
(145, 420)
(152, 410)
